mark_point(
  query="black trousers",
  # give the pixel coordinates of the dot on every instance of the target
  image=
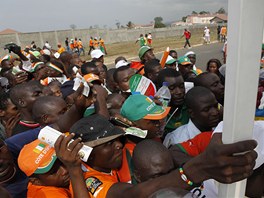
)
(91, 48)
(187, 43)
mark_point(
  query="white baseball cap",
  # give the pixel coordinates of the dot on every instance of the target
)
(97, 53)
(189, 53)
(46, 51)
(121, 63)
(170, 60)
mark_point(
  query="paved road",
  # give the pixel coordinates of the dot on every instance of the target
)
(203, 54)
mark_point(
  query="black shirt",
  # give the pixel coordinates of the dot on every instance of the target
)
(66, 42)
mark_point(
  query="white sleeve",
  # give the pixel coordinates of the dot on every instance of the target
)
(219, 128)
(26, 65)
(258, 135)
(168, 141)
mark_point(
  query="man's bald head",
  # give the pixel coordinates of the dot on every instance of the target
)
(47, 109)
(151, 159)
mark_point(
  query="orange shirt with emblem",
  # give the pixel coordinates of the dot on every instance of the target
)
(97, 183)
(47, 192)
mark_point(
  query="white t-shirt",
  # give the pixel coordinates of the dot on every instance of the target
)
(149, 36)
(258, 135)
(206, 32)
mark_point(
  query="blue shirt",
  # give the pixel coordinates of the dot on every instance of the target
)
(17, 186)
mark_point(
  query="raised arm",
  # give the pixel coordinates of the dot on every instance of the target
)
(217, 162)
(68, 155)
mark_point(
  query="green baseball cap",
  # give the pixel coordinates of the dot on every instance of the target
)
(140, 106)
(143, 50)
(170, 60)
(36, 54)
(184, 60)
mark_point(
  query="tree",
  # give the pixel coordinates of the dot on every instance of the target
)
(193, 12)
(221, 11)
(73, 26)
(204, 12)
(117, 24)
(130, 25)
(158, 22)
(184, 18)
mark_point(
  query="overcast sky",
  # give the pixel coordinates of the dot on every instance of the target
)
(36, 15)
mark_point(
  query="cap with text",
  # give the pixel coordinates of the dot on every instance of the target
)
(36, 157)
(140, 106)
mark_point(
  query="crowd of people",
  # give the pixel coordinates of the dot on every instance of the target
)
(145, 40)
(141, 147)
(73, 45)
(221, 35)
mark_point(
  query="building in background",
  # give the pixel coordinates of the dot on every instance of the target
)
(204, 18)
(8, 31)
(219, 19)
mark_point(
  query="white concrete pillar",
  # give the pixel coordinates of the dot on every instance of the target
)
(73, 36)
(245, 31)
(17, 39)
(41, 39)
(56, 37)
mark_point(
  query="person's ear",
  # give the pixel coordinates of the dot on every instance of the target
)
(35, 181)
(21, 103)
(2, 113)
(191, 113)
(45, 118)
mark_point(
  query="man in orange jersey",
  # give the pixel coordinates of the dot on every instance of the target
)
(47, 176)
(102, 45)
(80, 47)
(75, 45)
(60, 48)
(91, 47)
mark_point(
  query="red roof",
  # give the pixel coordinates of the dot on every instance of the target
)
(220, 16)
(8, 31)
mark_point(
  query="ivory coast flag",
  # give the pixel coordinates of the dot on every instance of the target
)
(142, 84)
(39, 148)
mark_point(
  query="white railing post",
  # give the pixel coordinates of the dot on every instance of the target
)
(245, 30)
